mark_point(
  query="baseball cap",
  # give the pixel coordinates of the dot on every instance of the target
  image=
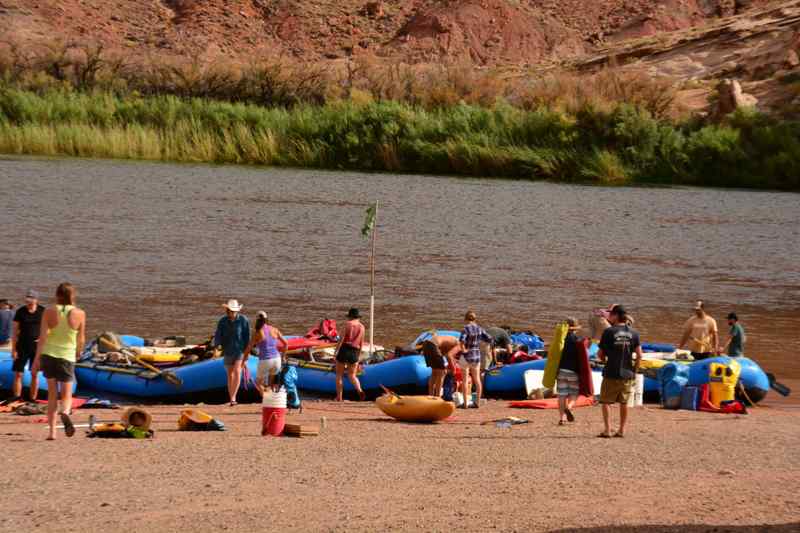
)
(32, 294)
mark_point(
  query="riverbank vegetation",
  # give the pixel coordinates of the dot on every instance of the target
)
(609, 128)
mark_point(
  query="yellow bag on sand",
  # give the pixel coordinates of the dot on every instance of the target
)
(722, 379)
(554, 355)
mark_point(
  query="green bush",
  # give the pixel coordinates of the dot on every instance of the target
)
(616, 145)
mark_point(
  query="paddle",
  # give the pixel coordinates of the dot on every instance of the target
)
(780, 388)
(170, 377)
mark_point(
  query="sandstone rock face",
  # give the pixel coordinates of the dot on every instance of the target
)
(730, 97)
(485, 32)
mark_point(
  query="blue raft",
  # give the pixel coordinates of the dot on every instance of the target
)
(197, 378)
(511, 378)
(7, 375)
(409, 373)
(533, 342)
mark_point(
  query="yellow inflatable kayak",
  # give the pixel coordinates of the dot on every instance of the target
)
(415, 408)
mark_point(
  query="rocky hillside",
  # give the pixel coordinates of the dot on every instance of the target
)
(484, 32)
(696, 43)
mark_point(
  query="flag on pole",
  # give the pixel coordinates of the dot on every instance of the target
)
(369, 221)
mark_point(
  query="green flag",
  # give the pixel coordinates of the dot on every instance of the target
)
(369, 221)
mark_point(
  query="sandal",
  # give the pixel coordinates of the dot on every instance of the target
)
(604, 435)
(619, 435)
(562, 422)
(570, 416)
(69, 427)
(232, 404)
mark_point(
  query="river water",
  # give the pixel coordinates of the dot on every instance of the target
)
(156, 248)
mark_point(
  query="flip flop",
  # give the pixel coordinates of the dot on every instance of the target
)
(619, 435)
(69, 427)
(570, 416)
(604, 435)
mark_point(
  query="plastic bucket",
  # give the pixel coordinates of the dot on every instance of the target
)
(636, 397)
(273, 412)
(273, 420)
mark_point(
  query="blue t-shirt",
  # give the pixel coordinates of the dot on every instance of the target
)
(6, 324)
(619, 343)
(736, 348)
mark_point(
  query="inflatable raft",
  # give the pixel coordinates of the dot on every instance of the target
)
(408, 373)
(415, 408)
(7, 376)
(510, 379)
(200, 378)
(533, 342)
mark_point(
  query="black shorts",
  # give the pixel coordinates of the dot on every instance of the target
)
(433, 356)
(700, 356)
(24, 358)
(348, 355)
(58, 369)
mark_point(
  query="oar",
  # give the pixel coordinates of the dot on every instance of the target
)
(387, 391)
(780, 388)
(170, 377)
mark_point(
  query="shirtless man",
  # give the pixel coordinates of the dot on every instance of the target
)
(439, 350)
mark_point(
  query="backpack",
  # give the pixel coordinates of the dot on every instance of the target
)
(288, 377)
(448, 387)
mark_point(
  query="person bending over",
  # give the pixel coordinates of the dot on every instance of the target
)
(439, 352)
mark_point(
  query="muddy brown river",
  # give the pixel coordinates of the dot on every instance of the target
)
(154, 250)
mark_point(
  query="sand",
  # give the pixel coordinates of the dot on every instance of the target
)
(366, 472)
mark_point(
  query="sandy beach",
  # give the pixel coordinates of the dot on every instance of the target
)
(366, 472)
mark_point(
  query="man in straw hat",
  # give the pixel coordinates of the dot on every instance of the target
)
(233, 335)
(618, 345)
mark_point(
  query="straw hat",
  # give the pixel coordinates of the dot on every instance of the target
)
(130, 411)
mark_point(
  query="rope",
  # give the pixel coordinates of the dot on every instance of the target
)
(744, 392)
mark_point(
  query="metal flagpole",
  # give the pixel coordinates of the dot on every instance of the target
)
(372, 283)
